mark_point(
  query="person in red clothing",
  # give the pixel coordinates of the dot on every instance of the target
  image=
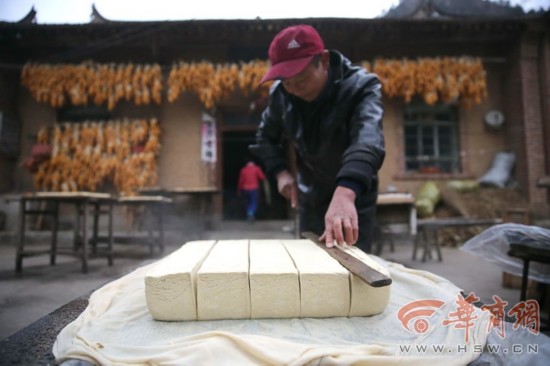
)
(249, 182)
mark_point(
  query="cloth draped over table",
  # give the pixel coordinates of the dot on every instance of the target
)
(117, 329)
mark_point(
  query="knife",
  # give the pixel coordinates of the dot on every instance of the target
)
(359, 268)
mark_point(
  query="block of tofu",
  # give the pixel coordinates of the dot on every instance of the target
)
(223, 291)
(274, 283)
(170, 285)
(367, 300)
(324, 283)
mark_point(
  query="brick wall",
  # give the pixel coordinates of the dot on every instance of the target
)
(532, 116)
(514, 105)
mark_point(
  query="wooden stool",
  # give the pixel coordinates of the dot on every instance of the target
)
(427, 236)
(383, 234)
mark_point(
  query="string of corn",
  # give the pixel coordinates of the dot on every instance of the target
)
(445, 79)
(86, 155)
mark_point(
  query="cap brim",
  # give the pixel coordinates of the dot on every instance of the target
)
(287, 69)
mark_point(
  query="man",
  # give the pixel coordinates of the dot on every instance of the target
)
(330, 114)
(250, 177)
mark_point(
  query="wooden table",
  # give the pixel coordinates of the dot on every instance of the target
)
(81, 201)
(153, 205)
(205, 194)
(403, 200)
(527, 254)
(387, 206)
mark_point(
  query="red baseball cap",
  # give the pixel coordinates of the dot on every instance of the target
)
(292, 50)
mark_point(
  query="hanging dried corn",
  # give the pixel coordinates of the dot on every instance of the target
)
(434, 79)
(86, 155)
(93, 82)
(214, 83)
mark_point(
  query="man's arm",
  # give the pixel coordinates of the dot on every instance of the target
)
(286, 185)
(366, 152)
(269, 137)
(360, 163)
(341, 221)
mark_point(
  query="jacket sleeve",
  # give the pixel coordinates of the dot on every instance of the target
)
(365, 155)
(269, 136)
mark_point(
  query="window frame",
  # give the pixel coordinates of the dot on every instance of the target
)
(437, 162)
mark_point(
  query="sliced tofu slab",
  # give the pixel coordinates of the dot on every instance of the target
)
(170, 289)
(274, 282)
(324, 283)
(223, 291)
(367, 300)
(238, 279)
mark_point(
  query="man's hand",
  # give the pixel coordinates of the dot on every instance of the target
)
(341, 223)
(287, 187)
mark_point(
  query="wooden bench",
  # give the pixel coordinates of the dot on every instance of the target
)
(427, 235)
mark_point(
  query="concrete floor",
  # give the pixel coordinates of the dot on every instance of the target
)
(41, 288)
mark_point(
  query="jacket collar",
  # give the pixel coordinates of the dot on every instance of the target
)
(337, 64)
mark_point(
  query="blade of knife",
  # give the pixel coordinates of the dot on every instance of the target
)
(359, 268)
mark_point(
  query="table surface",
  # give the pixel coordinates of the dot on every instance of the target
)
(83, 195)
(40, 196)
(144, 199)
(78, 194)
(394, 198)
(33, 345)
(182, 190)
(544, 181)
(530, 253)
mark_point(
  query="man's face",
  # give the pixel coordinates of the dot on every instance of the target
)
(309, 83)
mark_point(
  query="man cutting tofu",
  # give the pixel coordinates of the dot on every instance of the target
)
(330, 114)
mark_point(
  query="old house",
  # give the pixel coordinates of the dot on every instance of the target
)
(204, 135)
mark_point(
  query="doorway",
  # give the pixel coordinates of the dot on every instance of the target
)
(235, 154)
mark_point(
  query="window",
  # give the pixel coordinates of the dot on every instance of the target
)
(431, 139)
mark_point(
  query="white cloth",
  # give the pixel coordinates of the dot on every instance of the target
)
(117, 329)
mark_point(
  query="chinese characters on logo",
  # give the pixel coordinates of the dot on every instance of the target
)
(415, 315)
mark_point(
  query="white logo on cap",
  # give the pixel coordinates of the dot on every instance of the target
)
(293, 44)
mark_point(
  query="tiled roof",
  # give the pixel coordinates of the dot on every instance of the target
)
(453, 9)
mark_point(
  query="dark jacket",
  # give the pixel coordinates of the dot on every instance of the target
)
(342, 141)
